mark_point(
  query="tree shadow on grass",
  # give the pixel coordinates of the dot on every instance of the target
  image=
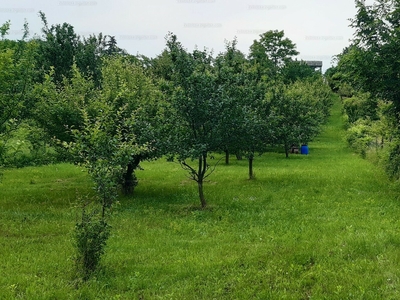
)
(162, 195)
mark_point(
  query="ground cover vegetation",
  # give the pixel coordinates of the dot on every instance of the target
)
(113, 114)
(318, 226)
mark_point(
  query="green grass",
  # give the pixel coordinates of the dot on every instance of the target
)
(321, 226)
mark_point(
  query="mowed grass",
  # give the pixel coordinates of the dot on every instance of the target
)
(321, 226)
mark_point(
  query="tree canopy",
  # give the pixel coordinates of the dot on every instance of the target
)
(180, 104)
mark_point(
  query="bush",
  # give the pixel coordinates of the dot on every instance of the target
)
(27, 146)
(3, 152)
(393, 160)
(91, 236)
(361, 106)
(359, 137)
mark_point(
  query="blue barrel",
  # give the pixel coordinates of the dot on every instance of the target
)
(304, 149)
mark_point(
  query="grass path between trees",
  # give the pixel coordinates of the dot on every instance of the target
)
(318, 226)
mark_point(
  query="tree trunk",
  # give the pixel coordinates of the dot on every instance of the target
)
(227, 157)
(251, 175)
(200, 177)
(129, 177)
(287, 149)
(128, 184)
(239, 156)
(201, 194)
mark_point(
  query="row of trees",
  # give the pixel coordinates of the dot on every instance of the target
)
(201, 105)
(181, 104)
(367, 77)
(94, 104)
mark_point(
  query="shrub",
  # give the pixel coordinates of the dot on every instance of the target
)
(91, 236)
(392, 162)
(361, 106)
(359, 136)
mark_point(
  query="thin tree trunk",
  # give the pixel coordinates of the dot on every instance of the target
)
(201, 194)
(201, 173)
(287, 149)
(251, 174)
(227, 157)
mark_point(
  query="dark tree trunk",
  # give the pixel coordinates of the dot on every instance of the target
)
(239, 156)
(201, 195)
(287, 149)
(227, 157)
(200, 178)
(129, 177)
(128, 184)
(251, 174)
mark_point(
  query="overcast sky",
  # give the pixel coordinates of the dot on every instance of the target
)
(319, 28)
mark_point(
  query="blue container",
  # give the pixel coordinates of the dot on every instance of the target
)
(304, 149)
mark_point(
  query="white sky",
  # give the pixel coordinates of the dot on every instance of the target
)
(319, 28)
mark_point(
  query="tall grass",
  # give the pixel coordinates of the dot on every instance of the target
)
(317, 226)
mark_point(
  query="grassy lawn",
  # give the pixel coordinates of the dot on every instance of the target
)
(318, 226)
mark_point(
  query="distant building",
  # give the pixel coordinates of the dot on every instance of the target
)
(316, 65)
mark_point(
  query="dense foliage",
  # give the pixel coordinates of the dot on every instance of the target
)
(367, 78)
